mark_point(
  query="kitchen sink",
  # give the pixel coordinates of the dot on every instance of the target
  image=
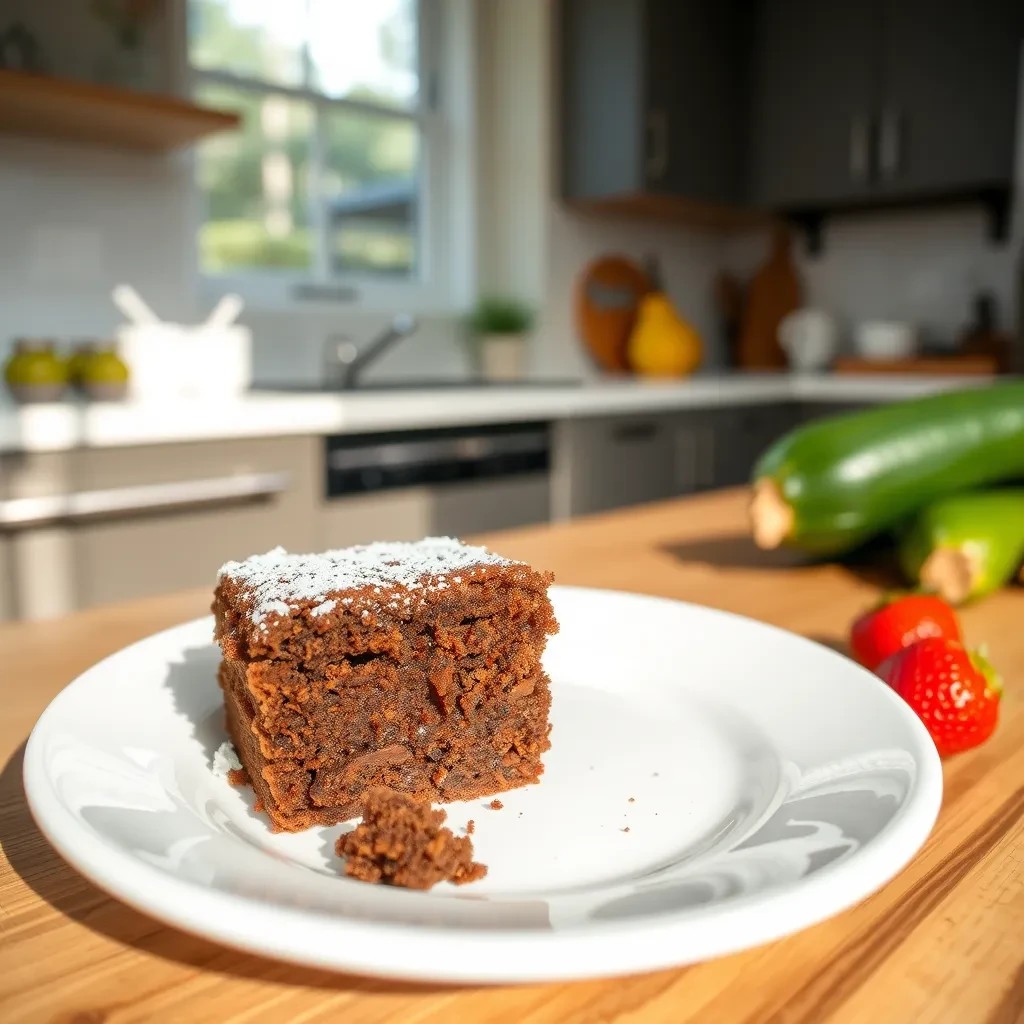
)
(417, 384)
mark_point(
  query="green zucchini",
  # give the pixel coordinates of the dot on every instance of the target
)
(832, 484)
(966, 545)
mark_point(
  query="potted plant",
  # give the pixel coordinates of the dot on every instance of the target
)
(500, 327)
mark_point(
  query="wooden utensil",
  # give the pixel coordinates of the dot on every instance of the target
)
(774, 293)
(608, 293)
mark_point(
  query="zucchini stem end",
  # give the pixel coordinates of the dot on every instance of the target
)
(771, 516)
(951, 573)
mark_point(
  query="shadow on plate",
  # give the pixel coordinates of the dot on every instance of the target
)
(42, 869)
(191, 701)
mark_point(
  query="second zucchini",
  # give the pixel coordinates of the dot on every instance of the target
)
(966, 545)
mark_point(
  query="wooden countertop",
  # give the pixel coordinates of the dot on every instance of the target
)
(943, 942)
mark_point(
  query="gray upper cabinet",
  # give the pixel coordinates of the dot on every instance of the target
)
(947, 117)
(814, 92)
(652, 99)
(696, 90)
(882, 102)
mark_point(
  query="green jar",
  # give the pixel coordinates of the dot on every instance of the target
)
(35, 372)
(104, 374)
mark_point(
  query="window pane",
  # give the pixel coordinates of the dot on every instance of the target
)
(365, 49)
(255, 183)
(371, 191)
(256, 38)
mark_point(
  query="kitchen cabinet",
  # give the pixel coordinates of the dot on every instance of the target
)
(885, 102)
(38, 573)
(95, 526)
(607, 463)
(653, 95)
(814, 94)
(948, 113)
(737, 437)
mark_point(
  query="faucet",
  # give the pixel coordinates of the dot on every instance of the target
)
(344, 361)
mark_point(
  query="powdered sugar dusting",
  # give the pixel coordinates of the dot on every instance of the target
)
(277, 581)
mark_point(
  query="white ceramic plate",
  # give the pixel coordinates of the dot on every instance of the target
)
(713, 783)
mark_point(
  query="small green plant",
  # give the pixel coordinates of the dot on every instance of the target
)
(495, 315)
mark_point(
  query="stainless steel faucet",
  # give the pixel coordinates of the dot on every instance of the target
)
(344, 361)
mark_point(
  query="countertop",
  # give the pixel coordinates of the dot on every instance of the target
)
(65, 425)
(941, 942)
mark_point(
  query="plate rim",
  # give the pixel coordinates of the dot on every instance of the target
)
(495, 956)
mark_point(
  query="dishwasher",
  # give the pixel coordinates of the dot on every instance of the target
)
(453, 481)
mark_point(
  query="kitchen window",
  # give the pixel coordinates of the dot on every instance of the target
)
(336, 180)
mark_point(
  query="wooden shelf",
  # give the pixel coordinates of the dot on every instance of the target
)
(58, 108)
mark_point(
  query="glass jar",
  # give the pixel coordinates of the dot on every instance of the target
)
(104, 374)
(34, 372)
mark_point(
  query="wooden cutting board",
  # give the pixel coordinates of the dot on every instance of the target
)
(608, 293)
(937, 366)
(774, 293)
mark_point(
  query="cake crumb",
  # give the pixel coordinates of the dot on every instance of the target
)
(632, 800)
(402, 842)
(470, 827)
(626, 829)
(238, 777)
(495, 804)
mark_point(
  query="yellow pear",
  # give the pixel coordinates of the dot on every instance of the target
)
(663, 344)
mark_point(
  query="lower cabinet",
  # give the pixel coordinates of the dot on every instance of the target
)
(739, 437)
(99, 526)
(612, 462)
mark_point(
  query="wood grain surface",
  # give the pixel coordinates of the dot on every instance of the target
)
(943, 942)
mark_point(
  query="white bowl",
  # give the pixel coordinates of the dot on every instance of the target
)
(172, 361)
(886, 340)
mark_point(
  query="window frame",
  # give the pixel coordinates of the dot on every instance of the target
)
(440, 281)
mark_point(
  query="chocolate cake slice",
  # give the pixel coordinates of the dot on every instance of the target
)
(412, 666)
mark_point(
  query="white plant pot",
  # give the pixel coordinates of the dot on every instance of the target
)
(502, 356)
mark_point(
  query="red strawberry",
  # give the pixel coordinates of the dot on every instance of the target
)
(899, 622)
(955, 692)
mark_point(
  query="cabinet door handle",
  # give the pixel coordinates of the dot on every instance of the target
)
(23, 513)
(860, 147)
(657, 146)
(634, 433)
(890, 143)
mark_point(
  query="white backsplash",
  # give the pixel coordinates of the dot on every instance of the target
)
(78, 220)
(289, 347)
